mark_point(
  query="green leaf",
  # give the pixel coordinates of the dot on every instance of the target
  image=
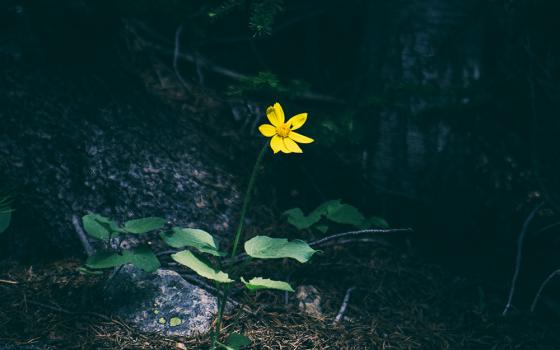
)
(110, 224)
(346, 214)
(5, 219)
(236, 341)
(376, 221)
(140, 226)
(297, 218)
(265, 283)
(94, 226)
(141, 257)
(104, 260)
(264, 247)
(189, 260)
(322, 228)
(327, 207)
(191, 237)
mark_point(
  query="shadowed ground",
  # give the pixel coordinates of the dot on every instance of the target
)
(400, 302)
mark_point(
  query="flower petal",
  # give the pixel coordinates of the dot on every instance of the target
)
(291, 145)
(267, 130)
(279, 112)
(276, 143)
(299, 137)
(275, 114)
(297, 121)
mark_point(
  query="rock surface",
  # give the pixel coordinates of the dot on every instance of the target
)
(309, 301)
(24, 347)
(162, 302)
(72, 144)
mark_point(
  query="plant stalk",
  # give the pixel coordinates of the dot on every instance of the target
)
(222, 300)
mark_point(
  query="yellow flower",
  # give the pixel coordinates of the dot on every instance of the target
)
(284, 137)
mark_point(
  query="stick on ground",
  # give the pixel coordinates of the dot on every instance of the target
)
(541, 288)
(82, 236)
(520, 242)
(344, 306)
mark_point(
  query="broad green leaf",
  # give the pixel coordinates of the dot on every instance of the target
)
(5, 218)
(236, 341)
(264, 247)
(141, 257)
(105, 260)
(110, 224)
(327, 207)
(144, 225)
(189, 260)
(95, 228)
(190, 237)
(296, 218)
(376, 221)
(346, 214)
(265, 283)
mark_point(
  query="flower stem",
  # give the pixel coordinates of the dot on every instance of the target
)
(246, 200)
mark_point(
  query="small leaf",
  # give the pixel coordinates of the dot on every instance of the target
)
(264, 247)
(189, 260)
(175, 321)
(236, 341)
(265, 283)
(322, 228)
(105, 260)
(94, 227)
(327, 207)
(144, 225)
(296, 218)
(141, 257)
(190, 237)
(376, 221)
(346, 214)
(108, 223)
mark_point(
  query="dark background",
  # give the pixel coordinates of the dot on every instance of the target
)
(440, 115)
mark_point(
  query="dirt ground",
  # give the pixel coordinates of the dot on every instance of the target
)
(398, 302)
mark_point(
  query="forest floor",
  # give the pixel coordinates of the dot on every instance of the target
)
(399, 302)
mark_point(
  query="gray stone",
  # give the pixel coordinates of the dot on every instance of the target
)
(162, 302)
(72, 145)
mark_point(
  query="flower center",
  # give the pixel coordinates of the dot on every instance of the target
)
(283, 130)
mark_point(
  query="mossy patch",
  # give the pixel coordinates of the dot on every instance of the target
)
(175, 321)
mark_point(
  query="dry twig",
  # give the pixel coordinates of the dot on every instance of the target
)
(541, 288)
(82, 236)
(324, 240)
(344, 306)
(520, 242)
(8, 281)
